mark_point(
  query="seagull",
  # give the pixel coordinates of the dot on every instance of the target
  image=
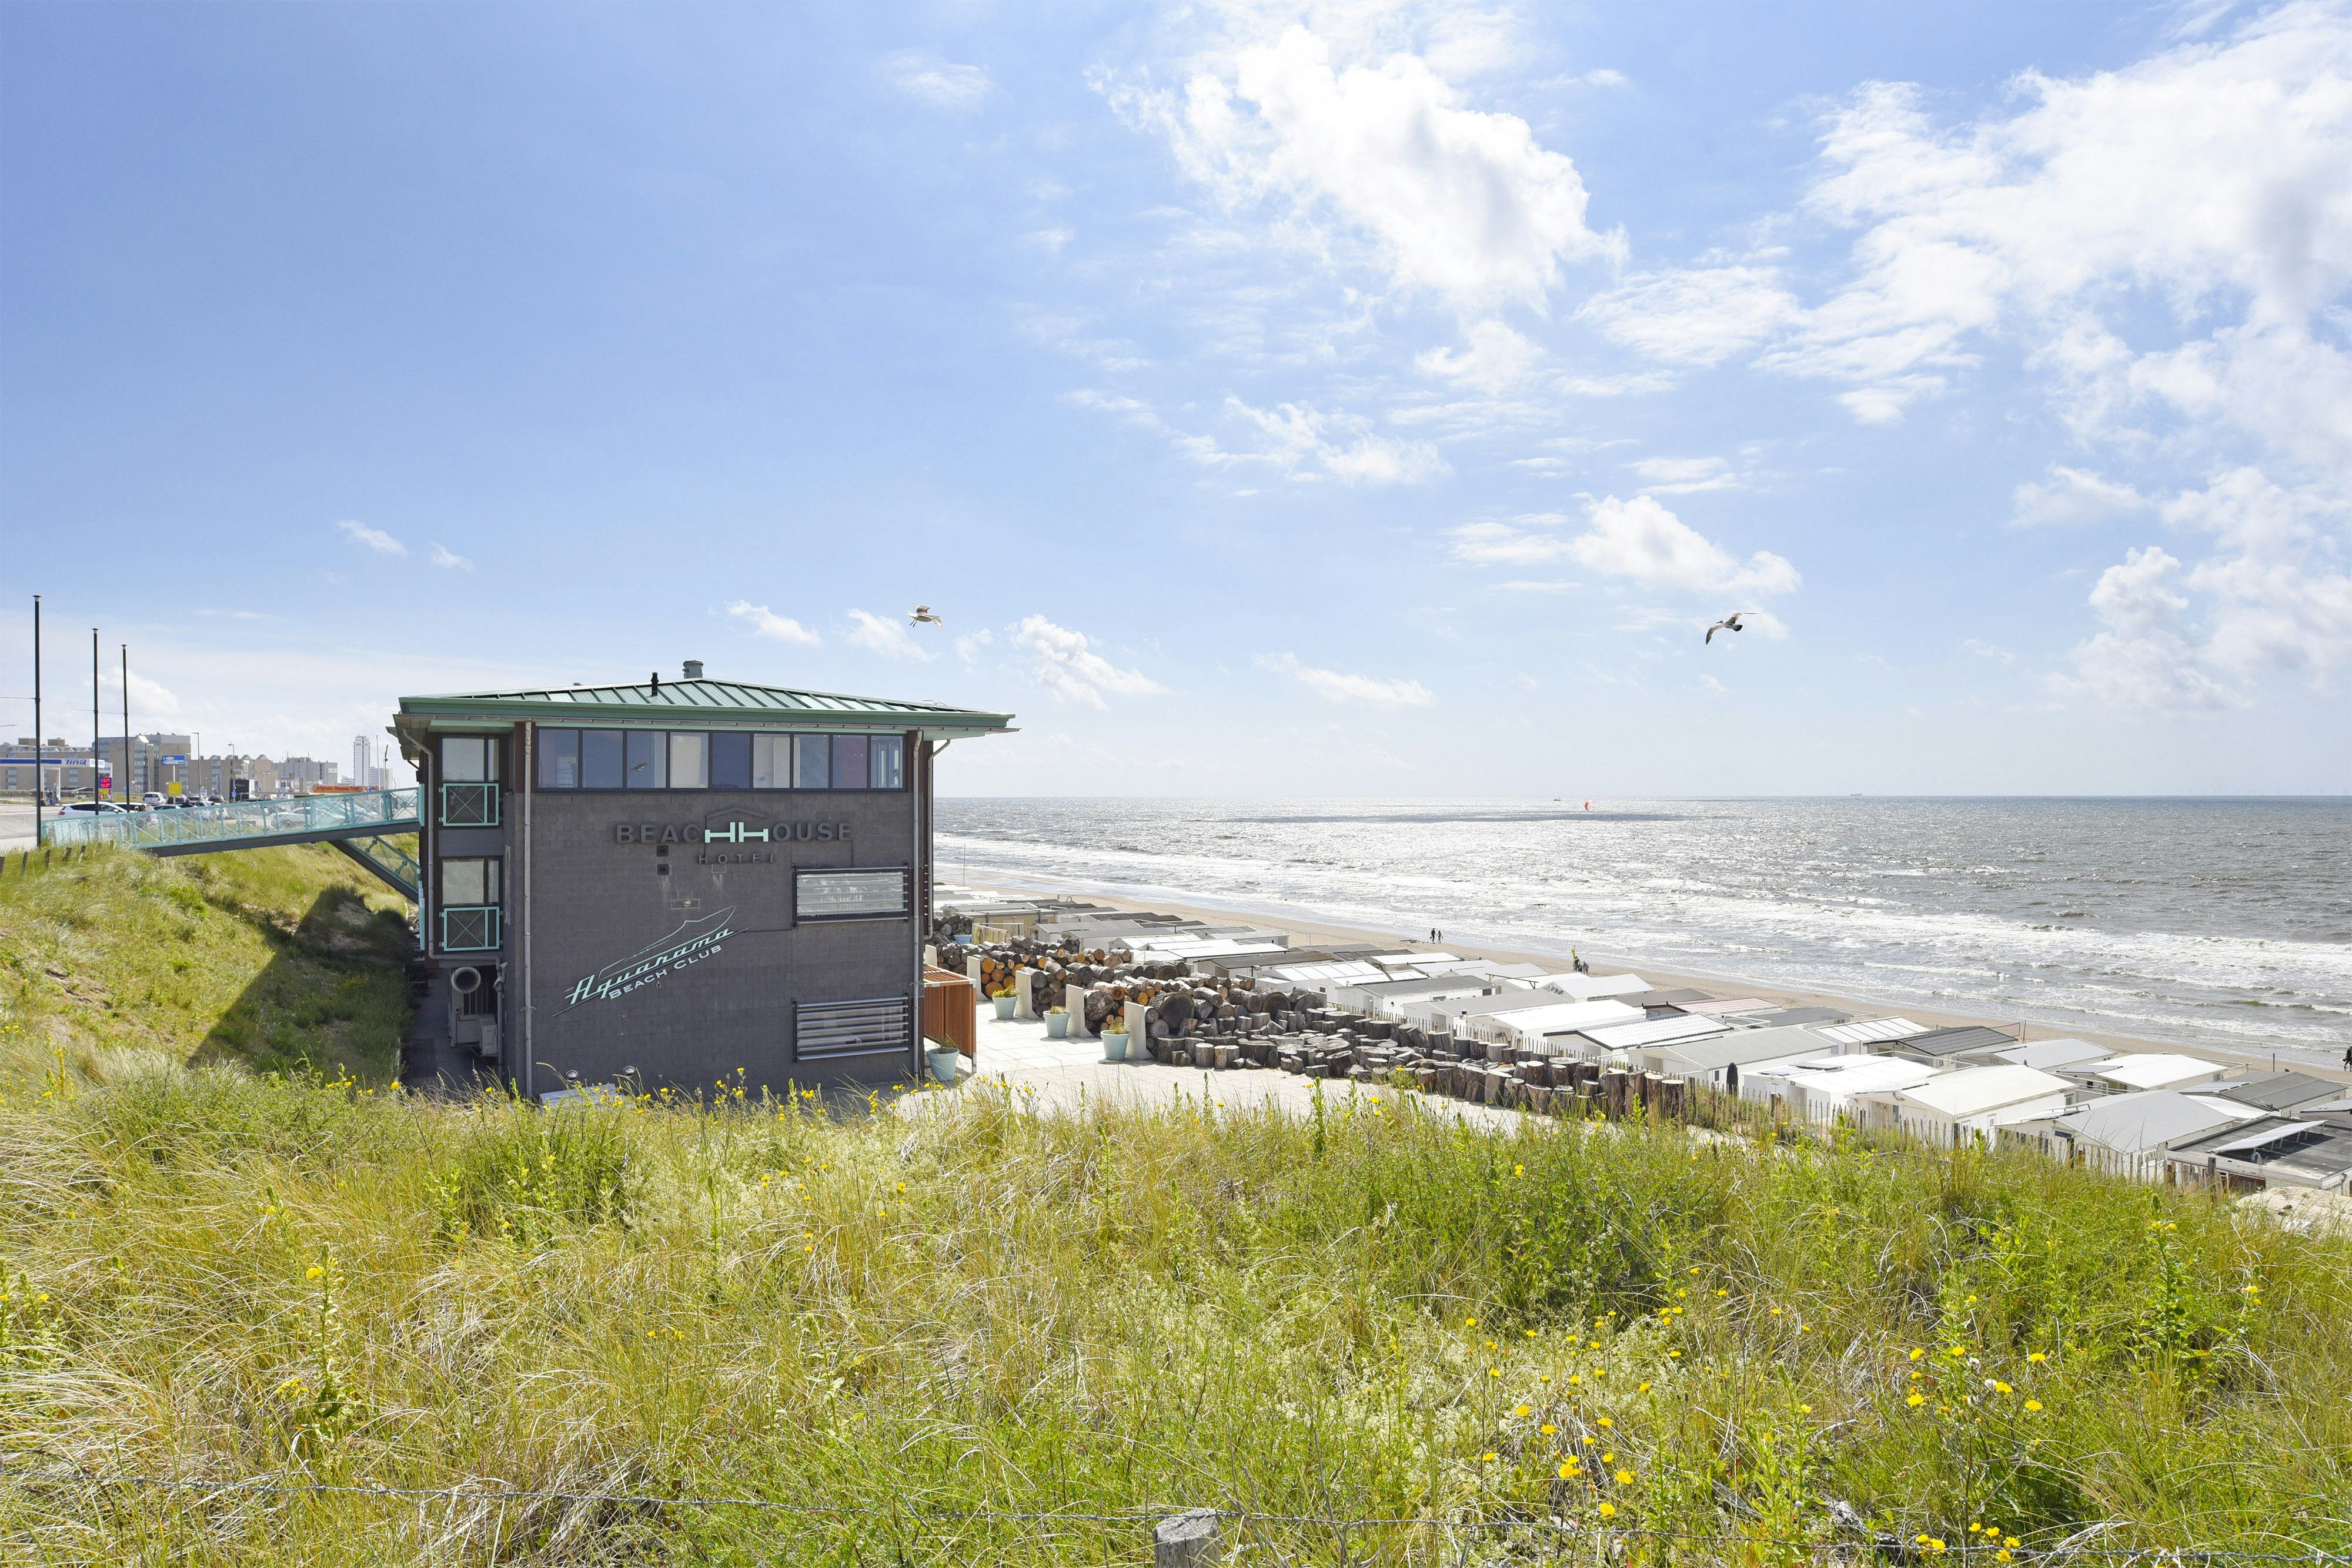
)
(922, 616)
(1730, 623)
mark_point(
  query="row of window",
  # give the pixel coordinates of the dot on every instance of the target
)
(717, 759)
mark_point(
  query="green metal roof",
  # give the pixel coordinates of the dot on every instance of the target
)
(704, 701)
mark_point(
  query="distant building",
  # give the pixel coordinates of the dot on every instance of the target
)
(69, 774)
(141, 765)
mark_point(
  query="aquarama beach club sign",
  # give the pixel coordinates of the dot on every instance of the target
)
(683, 948)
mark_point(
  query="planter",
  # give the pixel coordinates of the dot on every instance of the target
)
(1057, 1026)
(1004, 1005)
(1114, 1045)
(947, 1067)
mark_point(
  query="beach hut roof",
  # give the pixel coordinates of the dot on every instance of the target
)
(1973, 1091)
(2152, 1118)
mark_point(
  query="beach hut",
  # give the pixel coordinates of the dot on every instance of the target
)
(2147, 1070)
(1526, 1026)
(2129, 1134)
(1720, 1060)
(1594, 987)
(1954, 1107)
(2274, 1151)
(1819, 1089)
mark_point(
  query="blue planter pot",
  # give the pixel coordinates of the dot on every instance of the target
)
(1114, 1045)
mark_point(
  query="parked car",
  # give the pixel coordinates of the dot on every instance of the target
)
(95, 807)
(153, 800)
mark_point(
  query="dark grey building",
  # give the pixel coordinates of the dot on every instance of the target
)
(675, 884)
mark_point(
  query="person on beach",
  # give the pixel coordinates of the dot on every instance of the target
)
(1576, 961)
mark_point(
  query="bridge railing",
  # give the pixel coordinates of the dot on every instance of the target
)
(392, 811)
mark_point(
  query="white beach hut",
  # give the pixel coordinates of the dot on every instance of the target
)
(2149, 1070)
(1819, 1089)
(1953, 1107)
(2129, 1134)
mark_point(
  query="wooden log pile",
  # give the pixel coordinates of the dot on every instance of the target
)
(1214, 1024)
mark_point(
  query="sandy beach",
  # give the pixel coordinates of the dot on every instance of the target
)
(1305, 933)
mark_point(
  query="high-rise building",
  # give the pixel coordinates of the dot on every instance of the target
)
(363, 762)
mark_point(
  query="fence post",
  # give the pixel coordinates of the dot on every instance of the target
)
(1189, 1540)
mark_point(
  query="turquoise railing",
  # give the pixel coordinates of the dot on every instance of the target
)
(387, 810)
(469, 928)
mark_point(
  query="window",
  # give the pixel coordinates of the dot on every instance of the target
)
(812, 762)
(771, 762)
(888, 770)
(731, 760)
(689, 761)
(599, 760)
(823, 1031)
(559, 760)
(469, 759)
(648, 761)
(879, 895)
(849, 762)
(469, 881)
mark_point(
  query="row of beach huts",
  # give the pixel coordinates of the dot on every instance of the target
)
(2148, 1115)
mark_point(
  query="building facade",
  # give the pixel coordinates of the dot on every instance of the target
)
(677, 885)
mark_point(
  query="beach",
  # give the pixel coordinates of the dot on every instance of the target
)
(1307, 933)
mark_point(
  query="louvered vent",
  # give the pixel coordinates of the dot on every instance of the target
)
(826, 1030)
(851, 895)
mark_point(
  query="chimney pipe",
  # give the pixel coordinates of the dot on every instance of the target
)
(657, 680)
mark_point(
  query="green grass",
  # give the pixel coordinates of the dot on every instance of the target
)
(974, 1307)
(284, 958)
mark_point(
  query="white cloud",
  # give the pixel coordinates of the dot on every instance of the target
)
(968, 647)
(1496, 360)
(942, 84)
(1338, 687)
(1292, 438)
(1685, 476)
(1067, 664)
(1459, 202)
(2281, 603)
(373, 538)
(1518, 542)
(2274, 601)
(1701, 315)
(1640, 540)
(444, 556)
(766, 622)
(884, 635)
(2146, 656)
(2072, 495)
(2208, 180)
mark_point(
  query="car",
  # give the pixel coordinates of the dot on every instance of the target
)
(100, 807)
(151, 800)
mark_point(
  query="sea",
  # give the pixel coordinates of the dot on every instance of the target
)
(2209, 922)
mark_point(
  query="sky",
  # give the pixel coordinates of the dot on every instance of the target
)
(1311, 400)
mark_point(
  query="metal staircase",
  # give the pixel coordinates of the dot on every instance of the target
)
(361, 824)
(381, 855)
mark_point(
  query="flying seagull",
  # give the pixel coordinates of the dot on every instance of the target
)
(1730, 623)
(923, 617)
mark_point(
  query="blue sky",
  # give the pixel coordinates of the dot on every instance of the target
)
(1286, 400)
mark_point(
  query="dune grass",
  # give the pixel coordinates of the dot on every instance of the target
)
(894, 1316)
(284, 958)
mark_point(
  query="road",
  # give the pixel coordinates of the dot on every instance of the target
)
(16, 825)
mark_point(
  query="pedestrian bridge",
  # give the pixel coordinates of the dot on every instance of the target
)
(361, 824)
